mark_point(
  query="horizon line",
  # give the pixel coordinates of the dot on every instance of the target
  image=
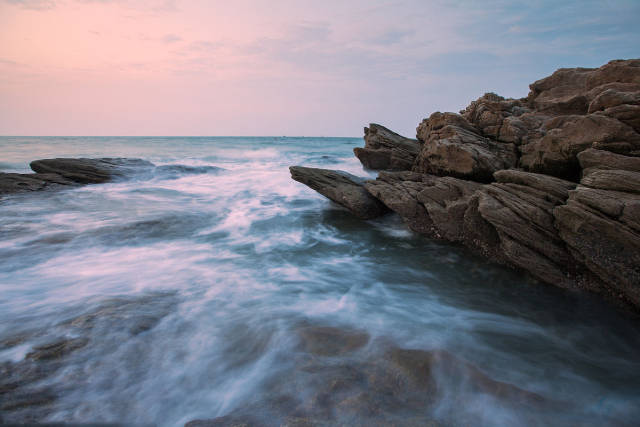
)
(174, 136)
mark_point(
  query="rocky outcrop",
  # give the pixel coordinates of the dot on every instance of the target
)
(343, 188)
(386, 150)
(453, 147)
(549, 184)
(18, 182)
(67, 172)
(91, 171)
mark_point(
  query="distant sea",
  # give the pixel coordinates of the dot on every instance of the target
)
(189, 289)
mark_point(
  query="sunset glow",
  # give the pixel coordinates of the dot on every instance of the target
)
(146, 67)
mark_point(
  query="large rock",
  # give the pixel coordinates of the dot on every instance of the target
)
(341, 187)
(566, 136)
(454, 148)
(489, 112)
(386, 150)
(592, 159)
(399, 192)
(91, 171)
(520, 207)
(18, 182)
(602, 230)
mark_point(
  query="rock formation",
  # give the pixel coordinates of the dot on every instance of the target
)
(341, 187)
(66, 172)
(549, 184)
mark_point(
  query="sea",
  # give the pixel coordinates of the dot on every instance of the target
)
(217, 286)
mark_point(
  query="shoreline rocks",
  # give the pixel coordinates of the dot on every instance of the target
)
(549, 184)
(343, 188)
(52, 174)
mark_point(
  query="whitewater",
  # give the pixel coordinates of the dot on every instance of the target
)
(217, 286)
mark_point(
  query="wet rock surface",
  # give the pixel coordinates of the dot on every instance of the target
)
(380, 387)
(341, 187)
(548, 183)
(30, 387)
(91, 171)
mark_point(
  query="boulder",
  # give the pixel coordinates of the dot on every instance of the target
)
(91, 171)
(489, 112)
(593, 159)
(399, 192)
(458, 150)
(341, 187)
(565, 136)
(18, 182)
(386, 150)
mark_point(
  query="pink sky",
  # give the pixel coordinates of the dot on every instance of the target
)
(264, 67)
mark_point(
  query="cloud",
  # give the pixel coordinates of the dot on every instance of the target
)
(171, 38)
(33, 4)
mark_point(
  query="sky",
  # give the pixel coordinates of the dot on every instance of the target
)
(284, 67)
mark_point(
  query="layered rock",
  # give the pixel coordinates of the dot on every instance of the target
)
(91, 171)
(343, 188)
(600, 222)
(549, 184)
(386, 150)
(19, 182)
(66, 172)
(453, 147)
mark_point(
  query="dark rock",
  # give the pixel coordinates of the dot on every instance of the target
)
(399, 192)
(331, 341)
(57, 349)
(592, 159)
(458, 150)
(617, 180)
(17, 182)
(341, 187)
(385, 149)
(424, 369)
(91, 171)
(602, 230)
(520, 208)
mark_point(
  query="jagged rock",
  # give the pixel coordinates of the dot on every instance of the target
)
(489, 112)
(566, 136)
(618, 71)
(18, 182)
(591, 160)
(520, 207)
(563, 92)
(386, 150)
(428, 204)
(91, 171)
(446, 200)
(341, 187)
(601, 230)
(617, 180)
(458, 150)
(399, 192)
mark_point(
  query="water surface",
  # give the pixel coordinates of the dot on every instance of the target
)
(199, 293)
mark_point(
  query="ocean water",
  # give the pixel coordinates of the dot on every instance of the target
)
(220, 287)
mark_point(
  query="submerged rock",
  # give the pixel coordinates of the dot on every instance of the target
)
(343, 188)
